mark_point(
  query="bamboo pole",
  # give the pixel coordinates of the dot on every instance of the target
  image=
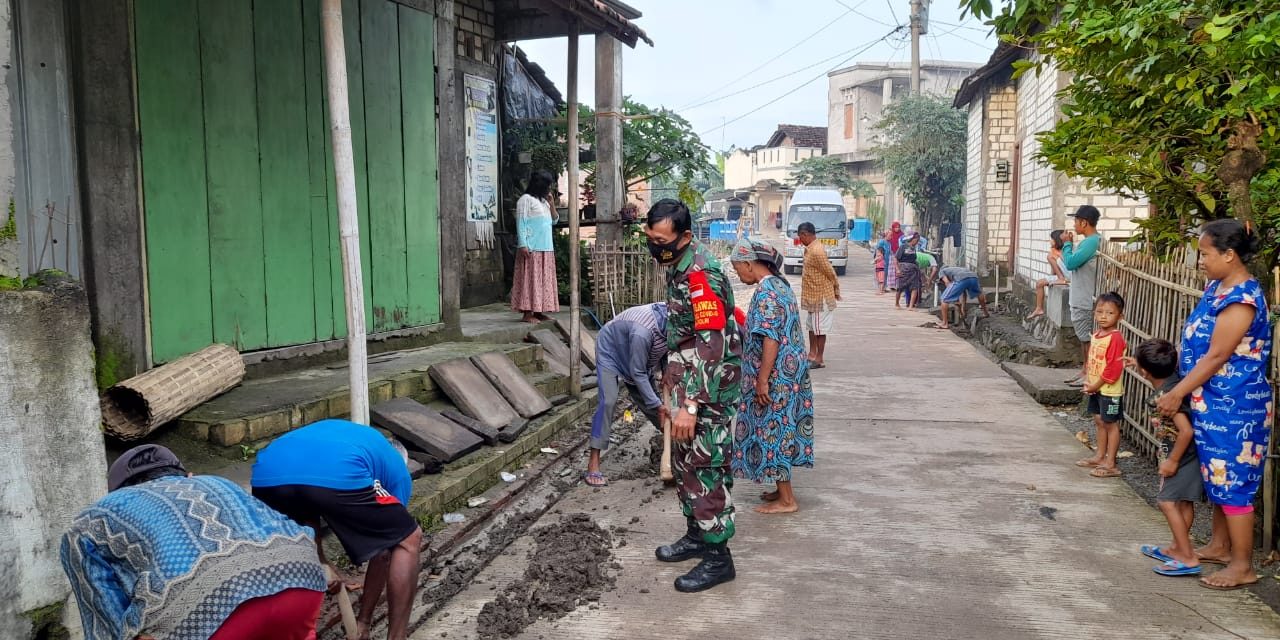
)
(575, 302)
(335, 65)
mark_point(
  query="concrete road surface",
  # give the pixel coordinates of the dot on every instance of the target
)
(944, 504)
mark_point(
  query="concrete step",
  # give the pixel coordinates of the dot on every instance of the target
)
(1005, 337)
(1047, 385)
(261, 409)
(467, 476)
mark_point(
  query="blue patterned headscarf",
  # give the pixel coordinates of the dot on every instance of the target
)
(748, 250)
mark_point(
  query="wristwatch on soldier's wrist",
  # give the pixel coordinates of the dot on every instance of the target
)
(692, 409)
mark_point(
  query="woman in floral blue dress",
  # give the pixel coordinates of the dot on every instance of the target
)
(1226, 346)
(774, 431)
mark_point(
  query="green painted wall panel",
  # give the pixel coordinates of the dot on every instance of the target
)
(351, 11)
(422, 220)
(242, 230)
(231, 157)
(285, 171)
(323, 226)
(385, 164)
(170, 114)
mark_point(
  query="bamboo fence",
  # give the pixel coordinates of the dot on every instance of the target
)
(1160, 291)
(624, 277)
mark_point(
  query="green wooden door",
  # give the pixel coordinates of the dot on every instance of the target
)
(241, 218)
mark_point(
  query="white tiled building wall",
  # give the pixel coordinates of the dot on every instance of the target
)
(1037, 215)
(974, 171)
(1118, 213)
(1047, 196)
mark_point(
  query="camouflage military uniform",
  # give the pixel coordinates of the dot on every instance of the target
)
(704, 367)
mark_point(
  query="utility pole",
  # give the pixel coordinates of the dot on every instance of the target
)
(916, 30)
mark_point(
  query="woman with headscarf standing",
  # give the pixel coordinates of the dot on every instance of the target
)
(909, 277)
(774, 431)
(533, 290)
(1226, 347)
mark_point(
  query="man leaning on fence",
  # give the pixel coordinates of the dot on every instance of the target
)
(704, 375)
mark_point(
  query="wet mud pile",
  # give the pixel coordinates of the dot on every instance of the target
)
(570, 564)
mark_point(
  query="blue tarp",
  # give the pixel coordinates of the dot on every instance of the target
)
(861, 231)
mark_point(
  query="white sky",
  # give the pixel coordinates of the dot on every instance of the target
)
(703, 45)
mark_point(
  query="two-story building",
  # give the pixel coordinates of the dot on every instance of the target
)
(764, 172)
(856, 100)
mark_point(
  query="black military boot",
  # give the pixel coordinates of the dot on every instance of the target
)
(716, 568)
(688, 546)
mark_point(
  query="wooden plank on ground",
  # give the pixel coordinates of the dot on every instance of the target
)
(487, 433)
(555, 350)
(424, 429)
(510, 381)
(588, 342)
(472, 392)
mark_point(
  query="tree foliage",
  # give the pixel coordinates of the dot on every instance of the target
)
(826, 171)
(1176, 100)
(655, 142)
(924, 156)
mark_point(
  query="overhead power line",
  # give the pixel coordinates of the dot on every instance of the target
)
(864, 15)
(783, 53)
(773, 80)
(864, 49)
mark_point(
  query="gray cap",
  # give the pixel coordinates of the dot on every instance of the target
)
(139, 460)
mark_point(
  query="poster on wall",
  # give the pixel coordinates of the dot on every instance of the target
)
(481, 96)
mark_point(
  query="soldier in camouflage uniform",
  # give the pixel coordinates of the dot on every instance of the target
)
(703, 375)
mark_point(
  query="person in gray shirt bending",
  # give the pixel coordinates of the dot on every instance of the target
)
(630, 349)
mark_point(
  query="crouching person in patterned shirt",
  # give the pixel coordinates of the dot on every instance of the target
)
(351, 477)
(703, 372)
(170, 556)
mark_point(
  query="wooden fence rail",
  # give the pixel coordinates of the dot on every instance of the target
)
(1159, 293)
(624, 277)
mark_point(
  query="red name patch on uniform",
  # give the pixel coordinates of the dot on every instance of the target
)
(708, 309)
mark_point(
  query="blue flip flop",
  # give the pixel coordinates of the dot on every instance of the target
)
(1154, 552)
(1176, 568)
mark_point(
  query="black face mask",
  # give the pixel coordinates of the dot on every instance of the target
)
(667, 253)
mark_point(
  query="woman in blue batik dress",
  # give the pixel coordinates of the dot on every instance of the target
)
(1226, 346)
(774, 431)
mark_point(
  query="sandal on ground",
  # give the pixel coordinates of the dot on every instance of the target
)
(1105, 472)
(1228, 587)
(1089, 464)
(1155, 553)
(1034, 314)
(595, 479)
(1176, 568)
(817, 365)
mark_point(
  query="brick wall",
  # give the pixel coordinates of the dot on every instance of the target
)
(972, 211)
(475, 32)
(992, 130)
(1002, 128)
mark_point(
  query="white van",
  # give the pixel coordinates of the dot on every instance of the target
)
(823, 207)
